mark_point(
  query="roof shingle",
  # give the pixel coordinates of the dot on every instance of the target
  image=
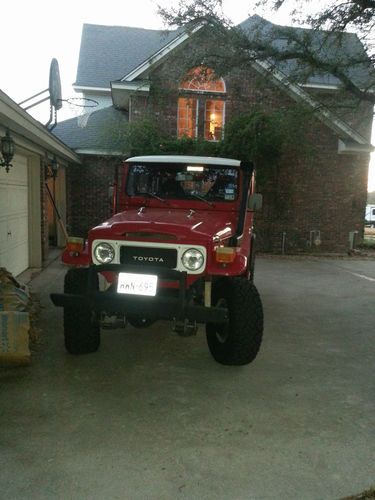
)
(103, 131)
(108, 53)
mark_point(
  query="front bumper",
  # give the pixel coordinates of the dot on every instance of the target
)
(159, 307)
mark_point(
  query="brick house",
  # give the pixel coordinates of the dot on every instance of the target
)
(318, 200)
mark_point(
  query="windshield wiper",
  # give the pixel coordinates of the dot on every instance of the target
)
(154, 196)
(199, 197)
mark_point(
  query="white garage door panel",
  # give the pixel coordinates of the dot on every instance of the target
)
(14, 241)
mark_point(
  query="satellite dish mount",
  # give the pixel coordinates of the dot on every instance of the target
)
(55, 99)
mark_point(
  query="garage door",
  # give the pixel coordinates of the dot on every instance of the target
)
(14, 238)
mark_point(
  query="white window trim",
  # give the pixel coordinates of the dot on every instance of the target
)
(203, 91)
(196, 120)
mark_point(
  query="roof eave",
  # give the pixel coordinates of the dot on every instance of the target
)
(298, 94)
(100, 152)
(122, 91)
(21, 123)
(351, 147)
(320, 86)
(158, 56)
(88, 88)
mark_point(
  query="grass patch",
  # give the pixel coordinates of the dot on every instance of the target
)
(368, 243)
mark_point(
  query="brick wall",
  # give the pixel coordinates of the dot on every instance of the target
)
(88, 202)
(325, 193)
(315, 189)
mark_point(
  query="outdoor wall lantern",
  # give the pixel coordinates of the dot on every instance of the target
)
(7, 151)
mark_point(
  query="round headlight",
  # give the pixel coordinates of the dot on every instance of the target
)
(104, 253)
(192, 259)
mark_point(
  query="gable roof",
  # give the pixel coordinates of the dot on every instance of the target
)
(343, 47)
(118, 53)
(343, 129)
(108, 53)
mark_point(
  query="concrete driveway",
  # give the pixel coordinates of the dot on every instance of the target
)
(152, 416)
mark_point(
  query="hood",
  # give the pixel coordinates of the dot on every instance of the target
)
(181, 224)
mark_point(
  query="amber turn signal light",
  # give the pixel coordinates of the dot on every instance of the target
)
(75, 244)
(225, 255)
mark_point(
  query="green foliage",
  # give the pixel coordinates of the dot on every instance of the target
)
(143, 137)
(257, 136)
(254, 136)
(194, 147)
(368, 243)
(264, 137)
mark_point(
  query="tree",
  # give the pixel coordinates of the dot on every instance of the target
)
(334, 21)
(337, 16)
(325, 48)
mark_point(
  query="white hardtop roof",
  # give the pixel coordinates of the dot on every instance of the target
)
(191, 160)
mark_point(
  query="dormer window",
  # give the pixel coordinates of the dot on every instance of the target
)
(201, 105)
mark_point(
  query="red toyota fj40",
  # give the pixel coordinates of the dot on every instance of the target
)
(179, 246)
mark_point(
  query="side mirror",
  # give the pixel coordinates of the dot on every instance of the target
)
(255, 202)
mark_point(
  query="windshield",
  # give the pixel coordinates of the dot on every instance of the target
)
(181, 181)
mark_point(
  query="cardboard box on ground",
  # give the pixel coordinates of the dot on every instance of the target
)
(14, 321)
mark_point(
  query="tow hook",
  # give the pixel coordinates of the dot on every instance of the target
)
(185, 328)
(112, 322)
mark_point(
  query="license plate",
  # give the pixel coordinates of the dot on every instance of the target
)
(137, 284)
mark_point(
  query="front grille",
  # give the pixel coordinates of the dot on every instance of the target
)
(145, 256)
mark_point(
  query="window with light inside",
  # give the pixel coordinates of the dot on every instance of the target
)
(201, 105)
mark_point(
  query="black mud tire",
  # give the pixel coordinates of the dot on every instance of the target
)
(81, 324)
(238, 342)
(251, 269)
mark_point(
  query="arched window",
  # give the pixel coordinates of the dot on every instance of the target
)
(201, 105)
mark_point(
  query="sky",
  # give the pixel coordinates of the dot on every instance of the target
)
(35, 31)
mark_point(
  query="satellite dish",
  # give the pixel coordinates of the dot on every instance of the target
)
(54, 96)
(54, 90)
(55, 85)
